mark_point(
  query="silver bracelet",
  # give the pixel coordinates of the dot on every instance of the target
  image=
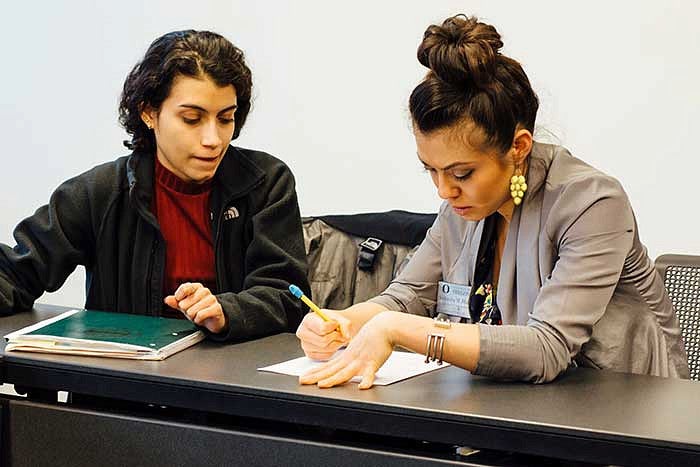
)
(434, 347)
(435, 344)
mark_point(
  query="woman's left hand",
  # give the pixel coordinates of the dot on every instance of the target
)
(199, 305)
(365, 354)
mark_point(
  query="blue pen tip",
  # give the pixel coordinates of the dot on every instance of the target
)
(296, 291)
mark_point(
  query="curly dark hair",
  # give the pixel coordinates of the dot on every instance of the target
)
(469, 79)
(188, 53)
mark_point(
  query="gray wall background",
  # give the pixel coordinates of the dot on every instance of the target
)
(617, 83)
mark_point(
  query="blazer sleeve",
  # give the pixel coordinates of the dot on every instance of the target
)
(592, 225)
(274, 259)
(414, 290)
(50, 244)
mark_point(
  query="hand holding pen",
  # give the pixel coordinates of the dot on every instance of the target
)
(322, 332)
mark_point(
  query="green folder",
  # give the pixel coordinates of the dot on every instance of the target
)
(108, 334)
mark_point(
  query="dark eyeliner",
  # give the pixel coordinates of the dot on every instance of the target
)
(463, 177)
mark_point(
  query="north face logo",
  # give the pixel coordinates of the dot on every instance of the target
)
(231, 213)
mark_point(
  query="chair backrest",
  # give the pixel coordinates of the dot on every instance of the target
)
(681, 275)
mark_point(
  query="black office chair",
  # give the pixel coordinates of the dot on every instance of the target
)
(681, 275)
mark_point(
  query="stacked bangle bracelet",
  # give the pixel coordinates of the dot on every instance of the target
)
(435, 343)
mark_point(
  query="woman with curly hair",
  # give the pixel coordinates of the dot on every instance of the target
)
(186, 225)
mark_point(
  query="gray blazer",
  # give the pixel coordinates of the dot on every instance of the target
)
(576, 284)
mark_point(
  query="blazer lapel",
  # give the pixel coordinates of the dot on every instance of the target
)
(519, 279)
(473, 248)
(527, 256)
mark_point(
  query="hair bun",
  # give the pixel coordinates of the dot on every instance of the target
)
(461, 51)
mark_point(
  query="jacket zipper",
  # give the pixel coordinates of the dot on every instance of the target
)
(217, 240)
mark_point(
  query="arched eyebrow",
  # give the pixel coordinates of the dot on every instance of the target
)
(202, 109)
(451, 166)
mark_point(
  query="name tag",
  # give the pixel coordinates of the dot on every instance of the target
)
(453, 299)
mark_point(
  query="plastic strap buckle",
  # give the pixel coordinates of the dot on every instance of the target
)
(368, 253)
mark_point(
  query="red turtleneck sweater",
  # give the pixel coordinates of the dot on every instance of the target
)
(182, 210)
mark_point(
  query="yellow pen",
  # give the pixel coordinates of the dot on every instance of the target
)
(296, 291)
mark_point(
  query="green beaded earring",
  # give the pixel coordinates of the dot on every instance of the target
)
(518, 187)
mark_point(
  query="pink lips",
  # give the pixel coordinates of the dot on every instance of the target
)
(462, 211)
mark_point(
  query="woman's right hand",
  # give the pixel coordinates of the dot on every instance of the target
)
(321, 339)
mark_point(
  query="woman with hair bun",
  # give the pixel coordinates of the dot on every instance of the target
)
(187, 225)
(534, 263)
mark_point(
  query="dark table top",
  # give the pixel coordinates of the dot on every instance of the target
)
(601, 405)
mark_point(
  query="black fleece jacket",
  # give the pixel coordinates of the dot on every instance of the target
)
(102, 220)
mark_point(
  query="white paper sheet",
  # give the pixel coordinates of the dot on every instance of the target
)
(399, 366)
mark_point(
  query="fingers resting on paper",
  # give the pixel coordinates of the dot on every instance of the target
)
(365, 354)
(339, 371)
